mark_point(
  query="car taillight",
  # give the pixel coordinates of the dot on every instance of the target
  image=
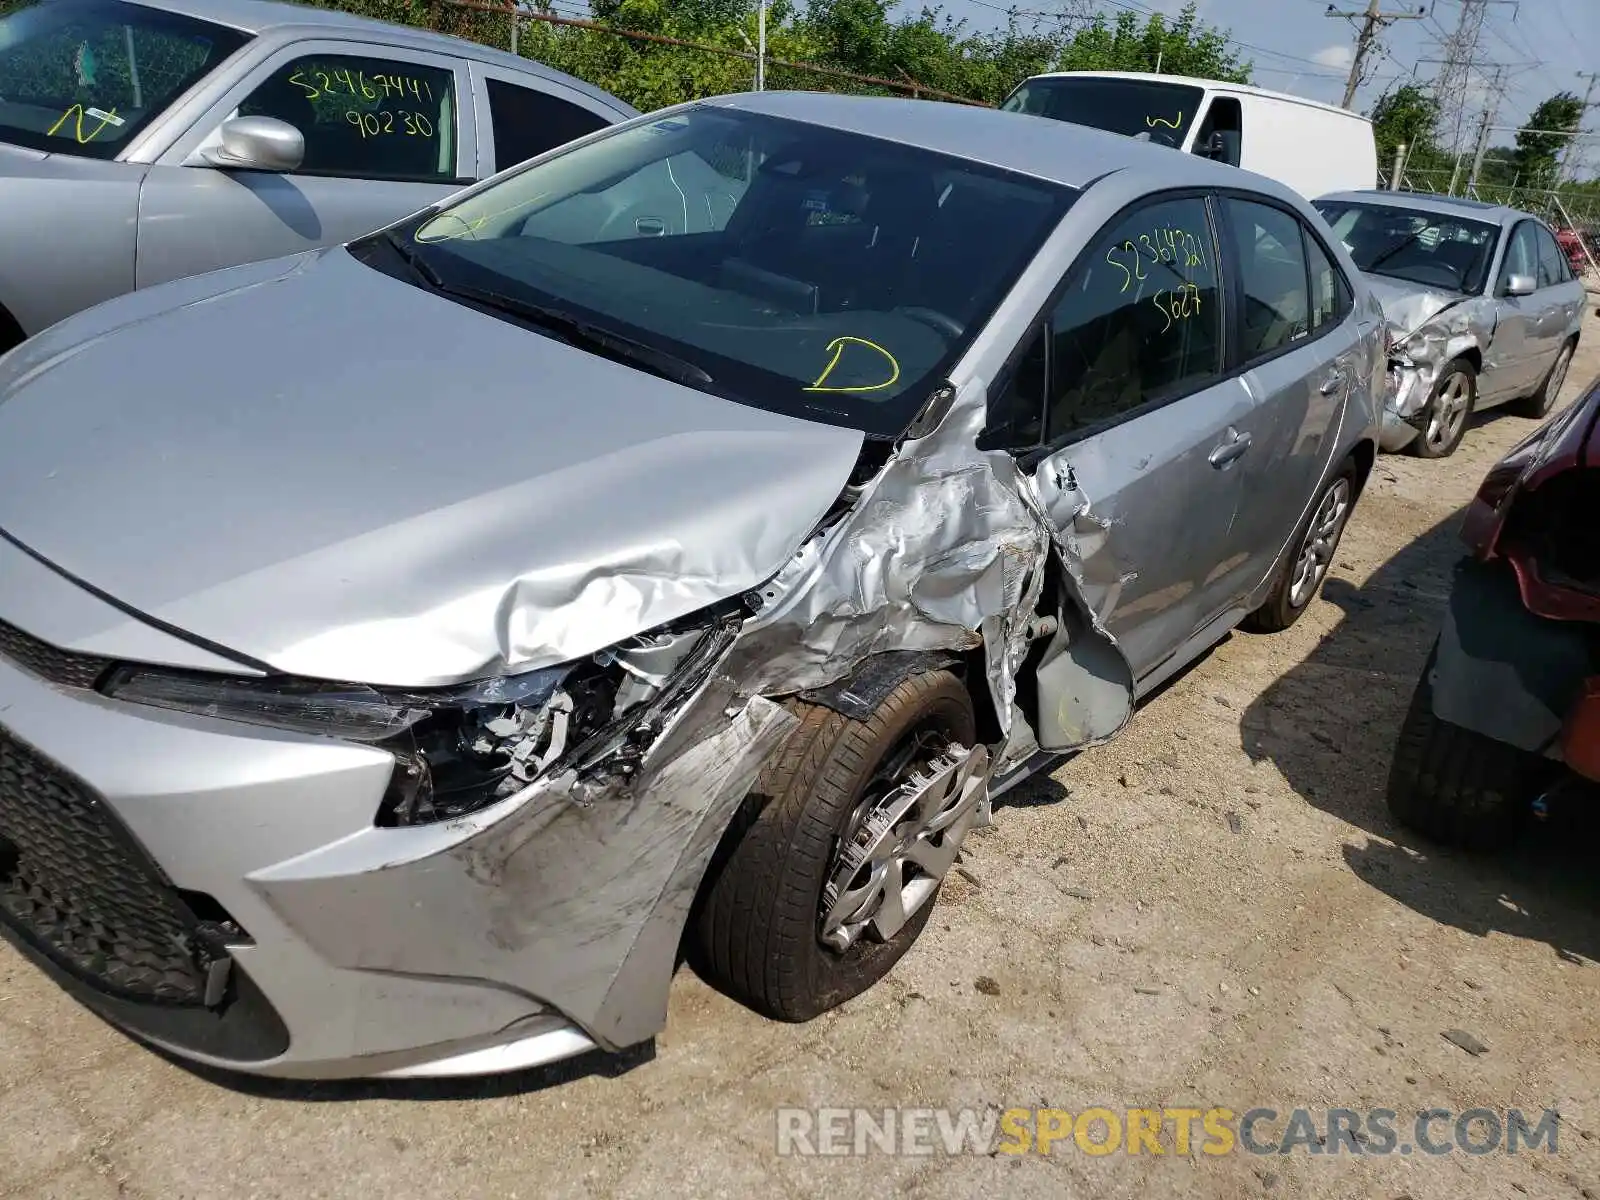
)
(1580, 737)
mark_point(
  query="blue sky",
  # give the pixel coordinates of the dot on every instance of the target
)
(1296, 48)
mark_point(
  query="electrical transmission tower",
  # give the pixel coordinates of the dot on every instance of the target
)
(1461, 59)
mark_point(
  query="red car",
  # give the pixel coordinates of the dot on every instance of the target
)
(1571, 242)
(1508, 706)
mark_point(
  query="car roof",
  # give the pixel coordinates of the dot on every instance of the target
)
(1055, 151)
(1449, 206)
(258, 17)
(1221, 85)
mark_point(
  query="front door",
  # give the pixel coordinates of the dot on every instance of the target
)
(387, 132)
(1514, 353)
(1143, 438)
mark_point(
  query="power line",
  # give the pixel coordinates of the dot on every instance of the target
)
(1373, 22)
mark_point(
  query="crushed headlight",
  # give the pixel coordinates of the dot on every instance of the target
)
(461, 749)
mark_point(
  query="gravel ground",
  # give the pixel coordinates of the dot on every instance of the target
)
(1213, 910)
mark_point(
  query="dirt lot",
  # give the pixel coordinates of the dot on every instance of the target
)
(1215, 910)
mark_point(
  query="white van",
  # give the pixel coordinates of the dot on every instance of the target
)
(1313, 148)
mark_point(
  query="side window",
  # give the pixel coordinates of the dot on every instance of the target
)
(1220, 136)
(1552, 262)
(529, 122)
(1141, 318)
(1272, 268)
(1522, 255)
(365, 118)
(1331, 299)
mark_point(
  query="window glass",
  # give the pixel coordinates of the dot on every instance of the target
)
(529, 122)
(1552, 262)
(1147, 109)
(1272, 270)
(84, 76)
(1419, 247)
(805, 269)
(1141, 319)
(1522, 255)
(365, 118)
(1016, 415)
(1330, 293)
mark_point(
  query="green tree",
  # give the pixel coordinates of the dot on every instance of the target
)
(1406, 115)
(1542, 140)
(1183, 45)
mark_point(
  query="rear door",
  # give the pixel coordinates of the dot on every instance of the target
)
(1561, 299)
(1297, 344)
(521, 116)
(388, 131)
(1143, 437)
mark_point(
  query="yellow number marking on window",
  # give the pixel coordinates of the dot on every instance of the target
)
(837, 346)
(1152, 122)
(75, 113)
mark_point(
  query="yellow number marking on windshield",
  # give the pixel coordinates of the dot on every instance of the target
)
(1152, 122)
(837, 346)
(76, 111)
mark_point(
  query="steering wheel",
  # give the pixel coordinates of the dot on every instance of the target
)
(935, 319)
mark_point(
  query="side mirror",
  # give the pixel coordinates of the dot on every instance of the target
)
(257, 144)
(1521, 285)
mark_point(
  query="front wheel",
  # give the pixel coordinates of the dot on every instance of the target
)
(1445, 418)
(1316, 542)
(831, 871)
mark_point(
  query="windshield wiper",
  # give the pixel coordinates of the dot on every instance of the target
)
(577, 331)
(403, 247)
(1411, 237)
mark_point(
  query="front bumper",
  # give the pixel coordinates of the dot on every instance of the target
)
(1395, 432)
(527, 932)
(1504, 672)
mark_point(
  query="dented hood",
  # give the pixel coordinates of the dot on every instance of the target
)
(1409, 306)
(339, 475)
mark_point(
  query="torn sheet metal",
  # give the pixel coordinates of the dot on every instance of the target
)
(1428, 329)
(945, 548)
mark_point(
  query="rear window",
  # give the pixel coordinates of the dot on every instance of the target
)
(1141, 108)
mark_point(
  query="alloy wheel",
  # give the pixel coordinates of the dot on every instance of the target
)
(902, 839)
(1321, 540)
(1448, 413)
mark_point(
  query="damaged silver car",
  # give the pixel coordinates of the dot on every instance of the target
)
(407, 649)
(1482, 305)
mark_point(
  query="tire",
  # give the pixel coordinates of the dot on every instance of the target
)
(1455, 786)
(1443, 429)
(1539, 404)
(1317, 536)
(756, 934)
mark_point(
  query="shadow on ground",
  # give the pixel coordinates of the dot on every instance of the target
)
(1329, 725)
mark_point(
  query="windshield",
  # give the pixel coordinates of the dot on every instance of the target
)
(84, 76)
(1419, 247)
(1158, 112)
(792, 267)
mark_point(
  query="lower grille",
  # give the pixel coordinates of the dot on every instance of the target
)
(75, 886)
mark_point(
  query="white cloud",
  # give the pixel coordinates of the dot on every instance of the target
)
(1334, 56)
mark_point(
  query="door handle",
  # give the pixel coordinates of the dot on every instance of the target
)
(1231, 451)
(1334, 381)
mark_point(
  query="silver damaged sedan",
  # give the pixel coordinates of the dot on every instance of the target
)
(1482, 305)
(407, 648)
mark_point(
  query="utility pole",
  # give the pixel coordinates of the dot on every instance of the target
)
(1570, 154)
(1373, 22)
(761, 47)
(1491, 109)
(1459, 63)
